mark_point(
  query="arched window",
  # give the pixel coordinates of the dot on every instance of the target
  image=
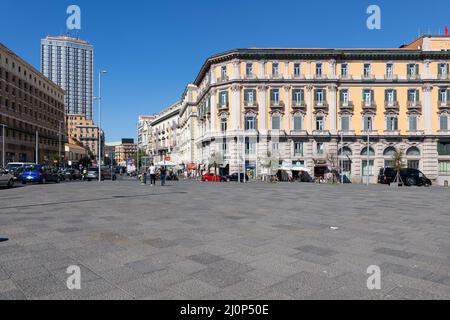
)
(389, 152)
(413, 152)
(345, 151)
(371, 152)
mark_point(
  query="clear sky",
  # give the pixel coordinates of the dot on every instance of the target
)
(152, 49)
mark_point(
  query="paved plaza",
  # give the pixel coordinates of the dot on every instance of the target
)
(193, 240)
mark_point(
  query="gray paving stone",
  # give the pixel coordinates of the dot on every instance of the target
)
(395, 253)
(205, 258)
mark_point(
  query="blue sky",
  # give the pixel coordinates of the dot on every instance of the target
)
(152, 49)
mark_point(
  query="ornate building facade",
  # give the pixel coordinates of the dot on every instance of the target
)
(322, 109)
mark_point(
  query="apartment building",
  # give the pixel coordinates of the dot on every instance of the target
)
(84, 132)
(32, 111)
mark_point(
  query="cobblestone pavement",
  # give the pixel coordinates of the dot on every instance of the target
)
(193, 240)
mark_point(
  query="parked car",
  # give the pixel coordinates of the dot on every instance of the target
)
(6, 178)
(234, 177)
(39, 173)
(210, 177)
(72, 174)
(106, 174)
(15, 167)
(410, 177)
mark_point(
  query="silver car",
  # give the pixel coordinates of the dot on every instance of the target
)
(6, 178)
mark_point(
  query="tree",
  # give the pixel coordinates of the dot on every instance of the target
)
(215, 159)
(397, 160)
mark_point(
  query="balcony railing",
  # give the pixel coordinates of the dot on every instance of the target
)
(302, 133)
(391, 105)
(349, 105)
(414, 104)
(391, 77)
(222, 106)
(251, 105)
(320, 105)
(277, 76)
(368, 77)
(298, 76)
(250, 76)
(320, 76)
(413, 76)
(277, 105)
(443, 76)
(444, 104)
(222, 79)
(298, 105)
(346, 77)
(368, 105)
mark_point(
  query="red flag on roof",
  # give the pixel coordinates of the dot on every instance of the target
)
(446, 30)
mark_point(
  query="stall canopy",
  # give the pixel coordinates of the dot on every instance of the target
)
(166, 164)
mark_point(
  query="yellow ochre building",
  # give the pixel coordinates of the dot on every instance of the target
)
(320, 108)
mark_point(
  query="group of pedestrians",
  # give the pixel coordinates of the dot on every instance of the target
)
(154, 172)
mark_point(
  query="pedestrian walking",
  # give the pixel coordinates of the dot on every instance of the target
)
(163, 172)
(152, 172)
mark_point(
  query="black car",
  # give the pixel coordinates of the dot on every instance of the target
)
(234, 177)
(72, 174)
(410, 177)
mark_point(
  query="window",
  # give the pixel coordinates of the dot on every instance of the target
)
(392, 123)
(367, 70)
(249, 69)
(443, 122)
(223, 72)
(367, 169)
(249, 96)
(390, 97)
(412, 119)
(319, 123)
(364, 152)
(443, 96)
(223, 99)
(275, 147)
(275, 69)
(297, 95)
(298, 149)
(368, 97)
(443, 69)
(250, 148)
(444, 148)
(389, 70)
(413, 152)
(297, 69)
(413, 164)
(318, 69)
(319, 96)
(413, 96)
(413, 70)
(223, 124)
(320, 148)
(275, 96)
(298, 125)
(444, 168)
(368, 123)
(344, 70)
(345, 123)
(344, 97)
(250, 122)
(276, 122)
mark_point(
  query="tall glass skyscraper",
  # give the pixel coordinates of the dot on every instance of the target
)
(68, 62)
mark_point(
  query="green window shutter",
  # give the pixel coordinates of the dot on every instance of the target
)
(395, 95)
(246, 95)
(439, 69)
(372, 94)
(417, 69)
(324, 95)
(418, 95)
(341, 95)
(302, 94)
(386, 95)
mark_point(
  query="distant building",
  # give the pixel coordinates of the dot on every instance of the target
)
(124, 151)
(144, 132)
(31, 107)
(69, 62)
(83, 131)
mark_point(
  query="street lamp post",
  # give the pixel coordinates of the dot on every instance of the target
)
(3, 144)
(368, 157)
(60, 142)
(342, 154)
(99, 164)
(37, 147)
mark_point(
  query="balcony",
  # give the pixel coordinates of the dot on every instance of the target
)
(222, 107)
(368, 106)
(346, 133)
(320, 105)
(277, 133)
(299, 133)
(298, 77)
(392, 77)
(443, 76)
(414, 105)
(368, 77)
(347, 106)
(444, 132)
(222, 79)
(391, 105)
(250, 76)
(277, 105)
(413, 77)
(416, 133)
(444, 105)
(251, 105)
(277, 76)
(320, 77)
(298, 105)
(345, 77)
(392, 133)
(321, 133)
